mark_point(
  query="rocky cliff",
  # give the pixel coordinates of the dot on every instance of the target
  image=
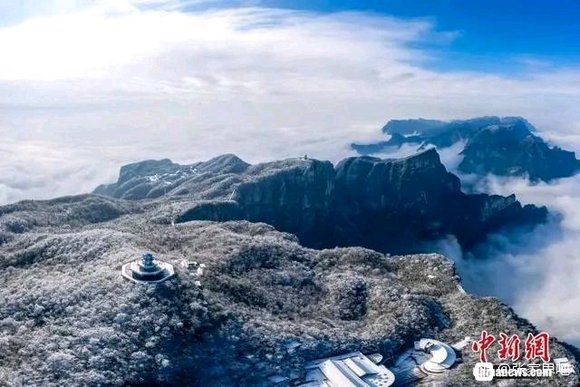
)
(388, 205)
(529, 155)
(394, 204)
(154, 178)
(506, 146)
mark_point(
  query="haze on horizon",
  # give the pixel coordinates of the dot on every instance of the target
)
(86, 86)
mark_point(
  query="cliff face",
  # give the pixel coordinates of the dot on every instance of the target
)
(393, 204)
(528, 154)
(388, 205)
(505, 146)
(292, 195)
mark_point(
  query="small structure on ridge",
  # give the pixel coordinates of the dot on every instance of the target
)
(147, 270)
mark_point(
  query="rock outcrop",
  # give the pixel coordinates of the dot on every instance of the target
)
(388, 205)
(529, 155)
(294, 195)
(154, 178)
(504, 146)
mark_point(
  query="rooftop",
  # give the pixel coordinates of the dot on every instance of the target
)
(350, 370)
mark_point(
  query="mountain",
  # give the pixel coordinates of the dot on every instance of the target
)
(504, 146)
(388, 205)
(154, 178)
(264, 305)
(529, 155)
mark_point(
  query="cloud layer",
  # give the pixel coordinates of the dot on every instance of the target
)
(535, 273)
(89, 78)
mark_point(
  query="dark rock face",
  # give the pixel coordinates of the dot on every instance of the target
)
(387, 205)
(528, 154)
(501, 146)
(399, 203)
(390, 202)
(292, 195)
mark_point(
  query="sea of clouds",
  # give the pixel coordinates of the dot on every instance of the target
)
(534, 272)
(86, 86)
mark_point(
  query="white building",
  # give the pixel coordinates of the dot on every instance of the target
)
(349, 370)
(442, 355)
(147, 270)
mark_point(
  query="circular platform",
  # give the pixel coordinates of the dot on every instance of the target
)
(147, 270)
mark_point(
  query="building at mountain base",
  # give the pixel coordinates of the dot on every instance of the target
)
(428, 358)
(350, 370)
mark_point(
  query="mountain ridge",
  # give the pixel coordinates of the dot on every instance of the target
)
(503, 146)
(381, 204)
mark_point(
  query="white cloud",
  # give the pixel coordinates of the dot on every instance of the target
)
(90, 76)
(43, 170)
(535, 273)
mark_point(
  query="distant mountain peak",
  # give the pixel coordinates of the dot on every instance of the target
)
(506, 146)
(154, 178)
(511, 149)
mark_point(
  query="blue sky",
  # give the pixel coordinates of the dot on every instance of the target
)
(88, 85)
(493, 35)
